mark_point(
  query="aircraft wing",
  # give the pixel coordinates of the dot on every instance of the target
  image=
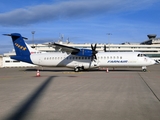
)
(78, 52)
(66, 49)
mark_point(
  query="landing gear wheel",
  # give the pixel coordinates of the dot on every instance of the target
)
(144, 70)
(76, 69)
(82, 67)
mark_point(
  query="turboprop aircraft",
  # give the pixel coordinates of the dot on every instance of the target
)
(78, 59)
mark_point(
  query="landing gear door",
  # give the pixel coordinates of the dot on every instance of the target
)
(75, 64)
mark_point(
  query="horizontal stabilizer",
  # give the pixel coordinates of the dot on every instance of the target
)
(12, 35)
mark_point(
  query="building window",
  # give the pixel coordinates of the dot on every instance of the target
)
(16, 61)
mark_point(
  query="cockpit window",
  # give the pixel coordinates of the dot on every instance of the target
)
(141, 55)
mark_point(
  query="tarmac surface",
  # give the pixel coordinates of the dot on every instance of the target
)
(61, 94)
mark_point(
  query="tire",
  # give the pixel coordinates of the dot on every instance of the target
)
(76, 69)
(144, 70)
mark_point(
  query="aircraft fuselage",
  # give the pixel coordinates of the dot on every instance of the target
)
(107, 59)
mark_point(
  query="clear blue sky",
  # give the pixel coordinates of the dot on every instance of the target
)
(83, 21)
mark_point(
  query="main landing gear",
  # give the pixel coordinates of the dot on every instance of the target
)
(77, 69)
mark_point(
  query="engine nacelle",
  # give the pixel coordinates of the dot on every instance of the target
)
(83, 52)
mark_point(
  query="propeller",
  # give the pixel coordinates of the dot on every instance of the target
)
(105, 48)
(94, 52)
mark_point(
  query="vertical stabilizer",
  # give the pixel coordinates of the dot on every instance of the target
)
(19, 45)
(22, 50)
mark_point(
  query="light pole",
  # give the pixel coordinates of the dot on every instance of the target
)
(33, 32)
(109, 40)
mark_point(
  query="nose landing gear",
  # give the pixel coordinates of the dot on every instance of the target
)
(77, 69)
(144, 68)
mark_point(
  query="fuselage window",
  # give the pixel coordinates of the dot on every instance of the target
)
(117, 57)
(110, 57)
(121, 57)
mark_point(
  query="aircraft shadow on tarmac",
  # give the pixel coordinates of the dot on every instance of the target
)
(49, 70)
(91, 70)
(29, 103)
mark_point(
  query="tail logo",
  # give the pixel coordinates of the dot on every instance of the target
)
(20, 47)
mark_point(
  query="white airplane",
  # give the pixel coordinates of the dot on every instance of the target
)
(79, 59)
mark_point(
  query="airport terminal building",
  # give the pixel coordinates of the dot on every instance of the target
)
(150, 47)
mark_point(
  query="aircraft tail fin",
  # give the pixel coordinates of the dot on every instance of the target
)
(20, 46)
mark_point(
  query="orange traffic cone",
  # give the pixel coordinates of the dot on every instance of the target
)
(107, 70)
(38, 73)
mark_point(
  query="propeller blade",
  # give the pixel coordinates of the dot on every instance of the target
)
(92, 47)
(105, 48)
(95, 57)
(94, 52)
(95, 46)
